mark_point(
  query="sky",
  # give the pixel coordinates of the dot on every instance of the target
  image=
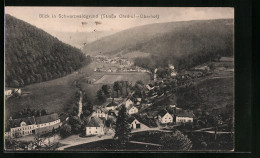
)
(166, 14)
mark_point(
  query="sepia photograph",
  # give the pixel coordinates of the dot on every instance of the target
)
(114, 79)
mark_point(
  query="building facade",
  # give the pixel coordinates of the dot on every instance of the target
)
(32, 125)
(95, 126)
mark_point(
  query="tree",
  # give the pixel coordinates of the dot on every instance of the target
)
(116, 87)
(101, 96)
(65, 130)
(14, 83)
(43, 112)
(106, 89)
(75, 123)
(122, 130)
(176, 141)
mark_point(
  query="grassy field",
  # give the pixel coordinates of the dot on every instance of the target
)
(130, 77)
(50, 95)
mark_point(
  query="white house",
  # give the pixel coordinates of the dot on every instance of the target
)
(21, 127)
(31, 125)
(101, 113)
(132, 110)
(184, 116)
(95, 126)
(128, 103)
(165, 117)
(10, 91)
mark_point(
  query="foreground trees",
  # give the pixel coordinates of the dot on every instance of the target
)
(122, 130)
(33, 56)
(176, 141)
(65, 130)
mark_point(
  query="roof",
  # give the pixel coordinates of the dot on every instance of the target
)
(162, 112)
(184, 113)
(16, 122)
(94, 122)
(111, 104)
(131, 119)
(146, 121)
(130, 106)
(47, 118)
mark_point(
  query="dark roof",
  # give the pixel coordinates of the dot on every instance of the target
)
(144, 120)
(47, 118)
(184, 113)
(111, 104)
(94, 122)
(162, 112)
(131, 119)
(16, 122)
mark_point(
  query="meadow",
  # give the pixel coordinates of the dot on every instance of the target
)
(50, 95)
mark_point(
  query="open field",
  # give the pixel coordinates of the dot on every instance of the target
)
(50, 95)
(130, 77)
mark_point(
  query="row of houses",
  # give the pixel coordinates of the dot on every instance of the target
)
(32, 125)
(177, 116)
(121, 69)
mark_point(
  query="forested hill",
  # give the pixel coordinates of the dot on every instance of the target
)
(170, 42)
(32, 55)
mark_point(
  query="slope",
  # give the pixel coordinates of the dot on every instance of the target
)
(32, 55)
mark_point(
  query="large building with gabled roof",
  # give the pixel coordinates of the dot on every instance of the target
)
(95, 126)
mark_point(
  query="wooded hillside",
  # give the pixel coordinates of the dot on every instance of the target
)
(32, 55)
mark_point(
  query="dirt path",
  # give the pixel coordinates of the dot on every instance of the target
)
(80, 105)
(144, 143)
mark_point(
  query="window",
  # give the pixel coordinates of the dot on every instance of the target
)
(96, 127)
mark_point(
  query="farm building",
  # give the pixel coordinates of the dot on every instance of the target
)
(128, 103)
(184, 116)
(132, 110)
(135, 123)
(165, 117)
(10, 91)
(101, 113)
(95, 126)
(31, 125)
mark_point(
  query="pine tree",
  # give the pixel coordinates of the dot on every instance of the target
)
(122, 130)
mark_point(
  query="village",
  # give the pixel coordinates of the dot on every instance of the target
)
(145, 106)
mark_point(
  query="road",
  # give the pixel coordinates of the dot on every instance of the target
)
(75, 140)
(145, 143)
(80, 105)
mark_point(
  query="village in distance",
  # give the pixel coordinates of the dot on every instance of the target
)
(124, 99)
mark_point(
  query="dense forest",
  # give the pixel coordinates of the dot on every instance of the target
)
(32, 55)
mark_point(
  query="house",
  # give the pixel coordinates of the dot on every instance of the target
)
(128, 103)
(184, 116)
(202, 68)
(10, 91)
(95, 126)
(131, 110)
(141, 122)
(173, 73)
(31, 125)
(135, 124)
(111, 106)
(47, 123)
(21, 127)
(165, 117)
(101, 113)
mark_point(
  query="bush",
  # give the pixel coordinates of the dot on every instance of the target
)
(65, 130)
